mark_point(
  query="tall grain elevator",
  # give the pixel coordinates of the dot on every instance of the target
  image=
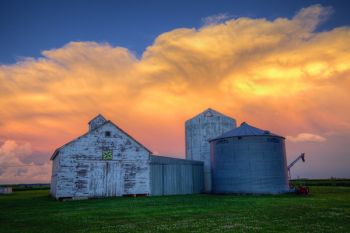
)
(199, 129)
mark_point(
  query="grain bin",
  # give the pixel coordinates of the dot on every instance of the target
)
(249, 160)
(199, 130)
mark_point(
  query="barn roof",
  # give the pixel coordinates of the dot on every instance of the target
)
(246, 130)
(55, 153)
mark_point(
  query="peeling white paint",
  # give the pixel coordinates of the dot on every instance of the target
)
(79, 170)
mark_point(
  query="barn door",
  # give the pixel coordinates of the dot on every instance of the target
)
(114, 179)
(105, 179)
(97, 187)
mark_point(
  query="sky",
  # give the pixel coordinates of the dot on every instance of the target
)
(149, 66)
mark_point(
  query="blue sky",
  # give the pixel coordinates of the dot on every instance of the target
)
(29, 27)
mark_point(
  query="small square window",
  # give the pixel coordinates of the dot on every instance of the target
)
(107, 133)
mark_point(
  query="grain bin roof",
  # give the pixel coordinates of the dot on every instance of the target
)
(246, 130)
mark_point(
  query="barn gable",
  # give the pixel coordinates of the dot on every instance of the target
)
(99, 132)
(106, 137)
(106, 161)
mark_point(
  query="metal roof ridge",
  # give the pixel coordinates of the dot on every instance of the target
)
(246, 130)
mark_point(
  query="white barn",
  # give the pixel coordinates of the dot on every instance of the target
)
(106, 161)
(5, 190)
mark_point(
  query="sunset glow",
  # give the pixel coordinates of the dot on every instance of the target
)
(280, 74)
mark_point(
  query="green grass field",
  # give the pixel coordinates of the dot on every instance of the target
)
(326, 209)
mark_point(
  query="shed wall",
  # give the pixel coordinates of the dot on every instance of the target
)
(170, 176)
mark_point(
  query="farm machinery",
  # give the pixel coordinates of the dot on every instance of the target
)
(300, 189)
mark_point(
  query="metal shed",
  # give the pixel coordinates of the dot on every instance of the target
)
(170, 176)
(249, 160)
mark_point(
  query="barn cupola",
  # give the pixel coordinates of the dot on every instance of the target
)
(96, 122)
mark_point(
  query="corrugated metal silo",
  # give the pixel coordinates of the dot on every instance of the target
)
(199, 130)
(249, 160)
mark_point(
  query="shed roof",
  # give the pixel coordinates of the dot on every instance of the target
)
(161, 159)
(246, 130)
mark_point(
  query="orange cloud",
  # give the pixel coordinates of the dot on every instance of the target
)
(280, 75)
(307, 137)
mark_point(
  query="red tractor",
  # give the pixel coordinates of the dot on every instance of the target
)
(302, 190)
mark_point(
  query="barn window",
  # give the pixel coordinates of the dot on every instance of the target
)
(107, 154)
(107, 133)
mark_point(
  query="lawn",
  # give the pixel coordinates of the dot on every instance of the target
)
(326, 209)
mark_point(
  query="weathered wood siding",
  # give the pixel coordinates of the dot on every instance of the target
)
(81, 171)
(170, 176)
(53, 185)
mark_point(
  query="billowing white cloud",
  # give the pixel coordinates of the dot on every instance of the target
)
(306, 137)
(310, 17)
(18, 164)
(216, 19)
